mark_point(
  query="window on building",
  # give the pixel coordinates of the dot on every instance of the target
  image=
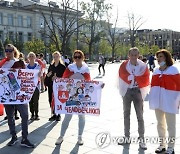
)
(41, 20)
(10, 20)
(1, 18)
(29, 36)
(60, 23)
(20, 37)
(11, 36)
(29, 22)
(20, 21)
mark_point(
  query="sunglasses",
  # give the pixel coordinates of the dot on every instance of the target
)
(9, 50)
(77, 57)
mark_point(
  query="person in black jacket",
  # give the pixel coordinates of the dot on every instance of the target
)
(56, 69)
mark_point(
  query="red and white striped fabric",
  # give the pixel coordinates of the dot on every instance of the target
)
(141, 76)
(72, 69)
(165, 90)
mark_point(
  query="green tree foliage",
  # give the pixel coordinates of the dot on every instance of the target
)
(104, 47)
(94, 11)
(154, 49)
(36, 46)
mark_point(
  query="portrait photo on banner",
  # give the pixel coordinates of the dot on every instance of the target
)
(74, 96)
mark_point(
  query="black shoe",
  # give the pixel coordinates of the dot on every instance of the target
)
(58, 118)
(32, 117)
(13, 141)
(52, 118)
(16, 117)
(26, 143)
(160, 149)
(5, 118)
(36, 117)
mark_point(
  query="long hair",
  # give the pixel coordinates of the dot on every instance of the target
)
(16, 51)
(167, 54)
(60, 59)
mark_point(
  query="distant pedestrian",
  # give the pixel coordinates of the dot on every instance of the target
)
(101, 64)
(151, 62)
(164, 98)
(66, 60)
(43, 87)
(133, 86)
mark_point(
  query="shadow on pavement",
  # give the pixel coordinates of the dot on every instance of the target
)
(98, 77)
(56, 149)
(75, 149)
(36, 137)
(3, 122)
(5, 135)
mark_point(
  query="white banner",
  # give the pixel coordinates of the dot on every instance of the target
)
(17, 86)
(73, 96)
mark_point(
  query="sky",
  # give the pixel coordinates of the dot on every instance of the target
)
(156, 14)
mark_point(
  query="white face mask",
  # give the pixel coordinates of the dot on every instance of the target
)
(162, 63)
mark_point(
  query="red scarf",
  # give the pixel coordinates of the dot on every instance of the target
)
(3, 61)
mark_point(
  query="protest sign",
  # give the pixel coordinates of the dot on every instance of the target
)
(18, 85)
(74, 96)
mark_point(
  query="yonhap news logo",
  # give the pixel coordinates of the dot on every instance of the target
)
(104, 139)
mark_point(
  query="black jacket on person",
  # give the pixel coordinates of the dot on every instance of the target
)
(59, 70)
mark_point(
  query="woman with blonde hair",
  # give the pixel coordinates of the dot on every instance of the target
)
(56, 69)
(34, 102)
(11, 61)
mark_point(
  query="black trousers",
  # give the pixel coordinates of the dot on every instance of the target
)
(34, 103)
(101, 65)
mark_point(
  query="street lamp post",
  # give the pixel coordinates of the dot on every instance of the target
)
(77, 25)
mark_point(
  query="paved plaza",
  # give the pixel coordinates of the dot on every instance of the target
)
(101, 132)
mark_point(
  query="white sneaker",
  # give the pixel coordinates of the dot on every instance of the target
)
(80, 141)
(142, 145)
(59, 141)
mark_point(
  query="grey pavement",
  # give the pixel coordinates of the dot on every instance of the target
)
(110, 123)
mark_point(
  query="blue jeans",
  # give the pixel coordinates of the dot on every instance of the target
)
(23, 110)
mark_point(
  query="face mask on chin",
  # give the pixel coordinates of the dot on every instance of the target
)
(162, 63)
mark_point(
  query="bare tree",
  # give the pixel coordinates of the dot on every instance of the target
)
(58, 33)
(134, 23)
(113, 35)
(94, 11)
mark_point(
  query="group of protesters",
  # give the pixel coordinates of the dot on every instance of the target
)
(134, 85)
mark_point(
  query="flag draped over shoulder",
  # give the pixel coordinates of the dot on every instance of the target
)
(165, 90)
(141, 76)
(72, 69)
